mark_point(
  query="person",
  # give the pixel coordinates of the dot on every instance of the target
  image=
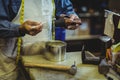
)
(36, 27)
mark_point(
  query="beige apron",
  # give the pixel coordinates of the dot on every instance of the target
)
(109, 26)
(40, 11)
(7, 62)
(36, 10)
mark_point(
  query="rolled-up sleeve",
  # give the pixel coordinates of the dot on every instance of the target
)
(64, 7)
(7, 28)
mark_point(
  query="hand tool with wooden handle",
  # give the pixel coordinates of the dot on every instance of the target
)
(71, 69)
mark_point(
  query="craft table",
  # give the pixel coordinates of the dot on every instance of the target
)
(84, 71)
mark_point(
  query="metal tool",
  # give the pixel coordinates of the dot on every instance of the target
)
(89, 60)
(70, 69)
(73, 69)
(107, 70)
(103, 67)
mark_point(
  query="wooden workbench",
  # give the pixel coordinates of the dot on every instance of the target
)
(84, 71)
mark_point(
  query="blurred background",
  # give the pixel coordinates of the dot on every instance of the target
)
(92, 14)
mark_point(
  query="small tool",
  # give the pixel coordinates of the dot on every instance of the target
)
(103, 67)
(71, 69)
(89, 60)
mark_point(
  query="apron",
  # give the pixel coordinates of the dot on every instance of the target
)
(40, 11)
(109, 25)
(36, 10)
(8, 69)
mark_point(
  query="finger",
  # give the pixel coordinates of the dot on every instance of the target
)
(77, 25)
(38, 31)
(35, 30)
(75, 18)
(72, 18)
(78, 21)
(39, 27)
(32, 22)
(32, 33)
(71, 27)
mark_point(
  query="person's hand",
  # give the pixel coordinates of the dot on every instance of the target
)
(72, 22)
(31, 27)
(76, 21)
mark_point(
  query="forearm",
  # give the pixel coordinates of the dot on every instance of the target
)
(69, 8)
(9, 30)
(64, 7)
(8, 10)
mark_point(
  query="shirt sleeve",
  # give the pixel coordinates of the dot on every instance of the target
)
(64, 7)
(7, 28)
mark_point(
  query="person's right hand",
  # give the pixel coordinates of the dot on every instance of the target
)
(72, 21)
(31, 27)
